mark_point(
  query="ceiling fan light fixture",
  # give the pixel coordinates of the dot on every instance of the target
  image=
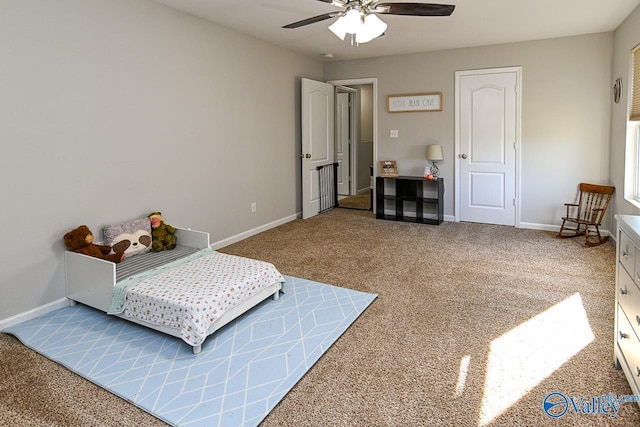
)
(364, 27)
(352, 20)
(339, 28)
(371, 28)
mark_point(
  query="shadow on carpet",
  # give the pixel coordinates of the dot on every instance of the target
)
(244, 369)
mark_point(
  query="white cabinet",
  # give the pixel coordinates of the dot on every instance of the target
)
(626, 349)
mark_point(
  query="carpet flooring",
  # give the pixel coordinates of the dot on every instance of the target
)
(451, 340)
(243, 371)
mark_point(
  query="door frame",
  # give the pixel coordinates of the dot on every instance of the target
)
(363, 81)
(353, 131)
(518, 143)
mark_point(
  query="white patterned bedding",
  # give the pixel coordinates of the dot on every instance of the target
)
(192, 296)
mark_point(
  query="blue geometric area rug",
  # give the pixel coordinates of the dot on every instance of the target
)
(244, 369)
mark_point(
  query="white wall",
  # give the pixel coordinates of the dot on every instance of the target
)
(627, 36)
(111, 109)
(565, 113)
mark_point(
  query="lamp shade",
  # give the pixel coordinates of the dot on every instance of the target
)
(434, 152)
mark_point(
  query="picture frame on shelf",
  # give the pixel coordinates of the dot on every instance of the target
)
(388, 168)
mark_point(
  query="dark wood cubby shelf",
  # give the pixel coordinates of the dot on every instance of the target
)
(410, 199)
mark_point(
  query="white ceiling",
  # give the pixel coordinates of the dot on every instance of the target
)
(473, 23)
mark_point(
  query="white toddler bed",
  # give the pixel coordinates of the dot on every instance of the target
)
(188, 292)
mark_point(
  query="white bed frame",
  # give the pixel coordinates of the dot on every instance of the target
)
(91, 280)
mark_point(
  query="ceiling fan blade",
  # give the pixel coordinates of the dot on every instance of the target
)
(312, 20)
(338, 3)
(413, 9)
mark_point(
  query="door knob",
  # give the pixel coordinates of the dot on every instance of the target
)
(463, 156)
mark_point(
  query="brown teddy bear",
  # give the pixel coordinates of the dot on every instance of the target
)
(80, 240)
(163, 234)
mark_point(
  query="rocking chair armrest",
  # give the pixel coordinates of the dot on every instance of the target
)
(569, 206)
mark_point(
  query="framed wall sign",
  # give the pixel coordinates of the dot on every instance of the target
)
(388, 168)
(416, 102)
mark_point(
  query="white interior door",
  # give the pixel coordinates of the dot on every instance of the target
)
(487, 140)
(318, 147)
(343, 142)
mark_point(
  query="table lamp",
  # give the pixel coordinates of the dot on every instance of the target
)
(434, 153)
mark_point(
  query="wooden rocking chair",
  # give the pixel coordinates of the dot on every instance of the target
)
(587, 214)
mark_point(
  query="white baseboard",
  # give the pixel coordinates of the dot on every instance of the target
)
(33, 313)
(543, 227)
(551, 227)
(244, 235)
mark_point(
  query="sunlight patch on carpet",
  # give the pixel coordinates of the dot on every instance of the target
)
(244, 369)
(522, 358)
(462, 375)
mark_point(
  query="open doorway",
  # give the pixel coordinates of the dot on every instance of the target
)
(354, 145)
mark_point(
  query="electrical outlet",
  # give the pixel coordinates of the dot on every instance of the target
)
(393, 133)
(254, 207)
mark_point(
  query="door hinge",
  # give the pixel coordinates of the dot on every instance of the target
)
(514, 202)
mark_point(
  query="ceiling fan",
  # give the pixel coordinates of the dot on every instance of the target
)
(359, 18)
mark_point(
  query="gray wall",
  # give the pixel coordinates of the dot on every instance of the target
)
(112, 109)
(565, 113)
(627, 36)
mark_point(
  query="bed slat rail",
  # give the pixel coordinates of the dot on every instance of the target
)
(150, 260)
